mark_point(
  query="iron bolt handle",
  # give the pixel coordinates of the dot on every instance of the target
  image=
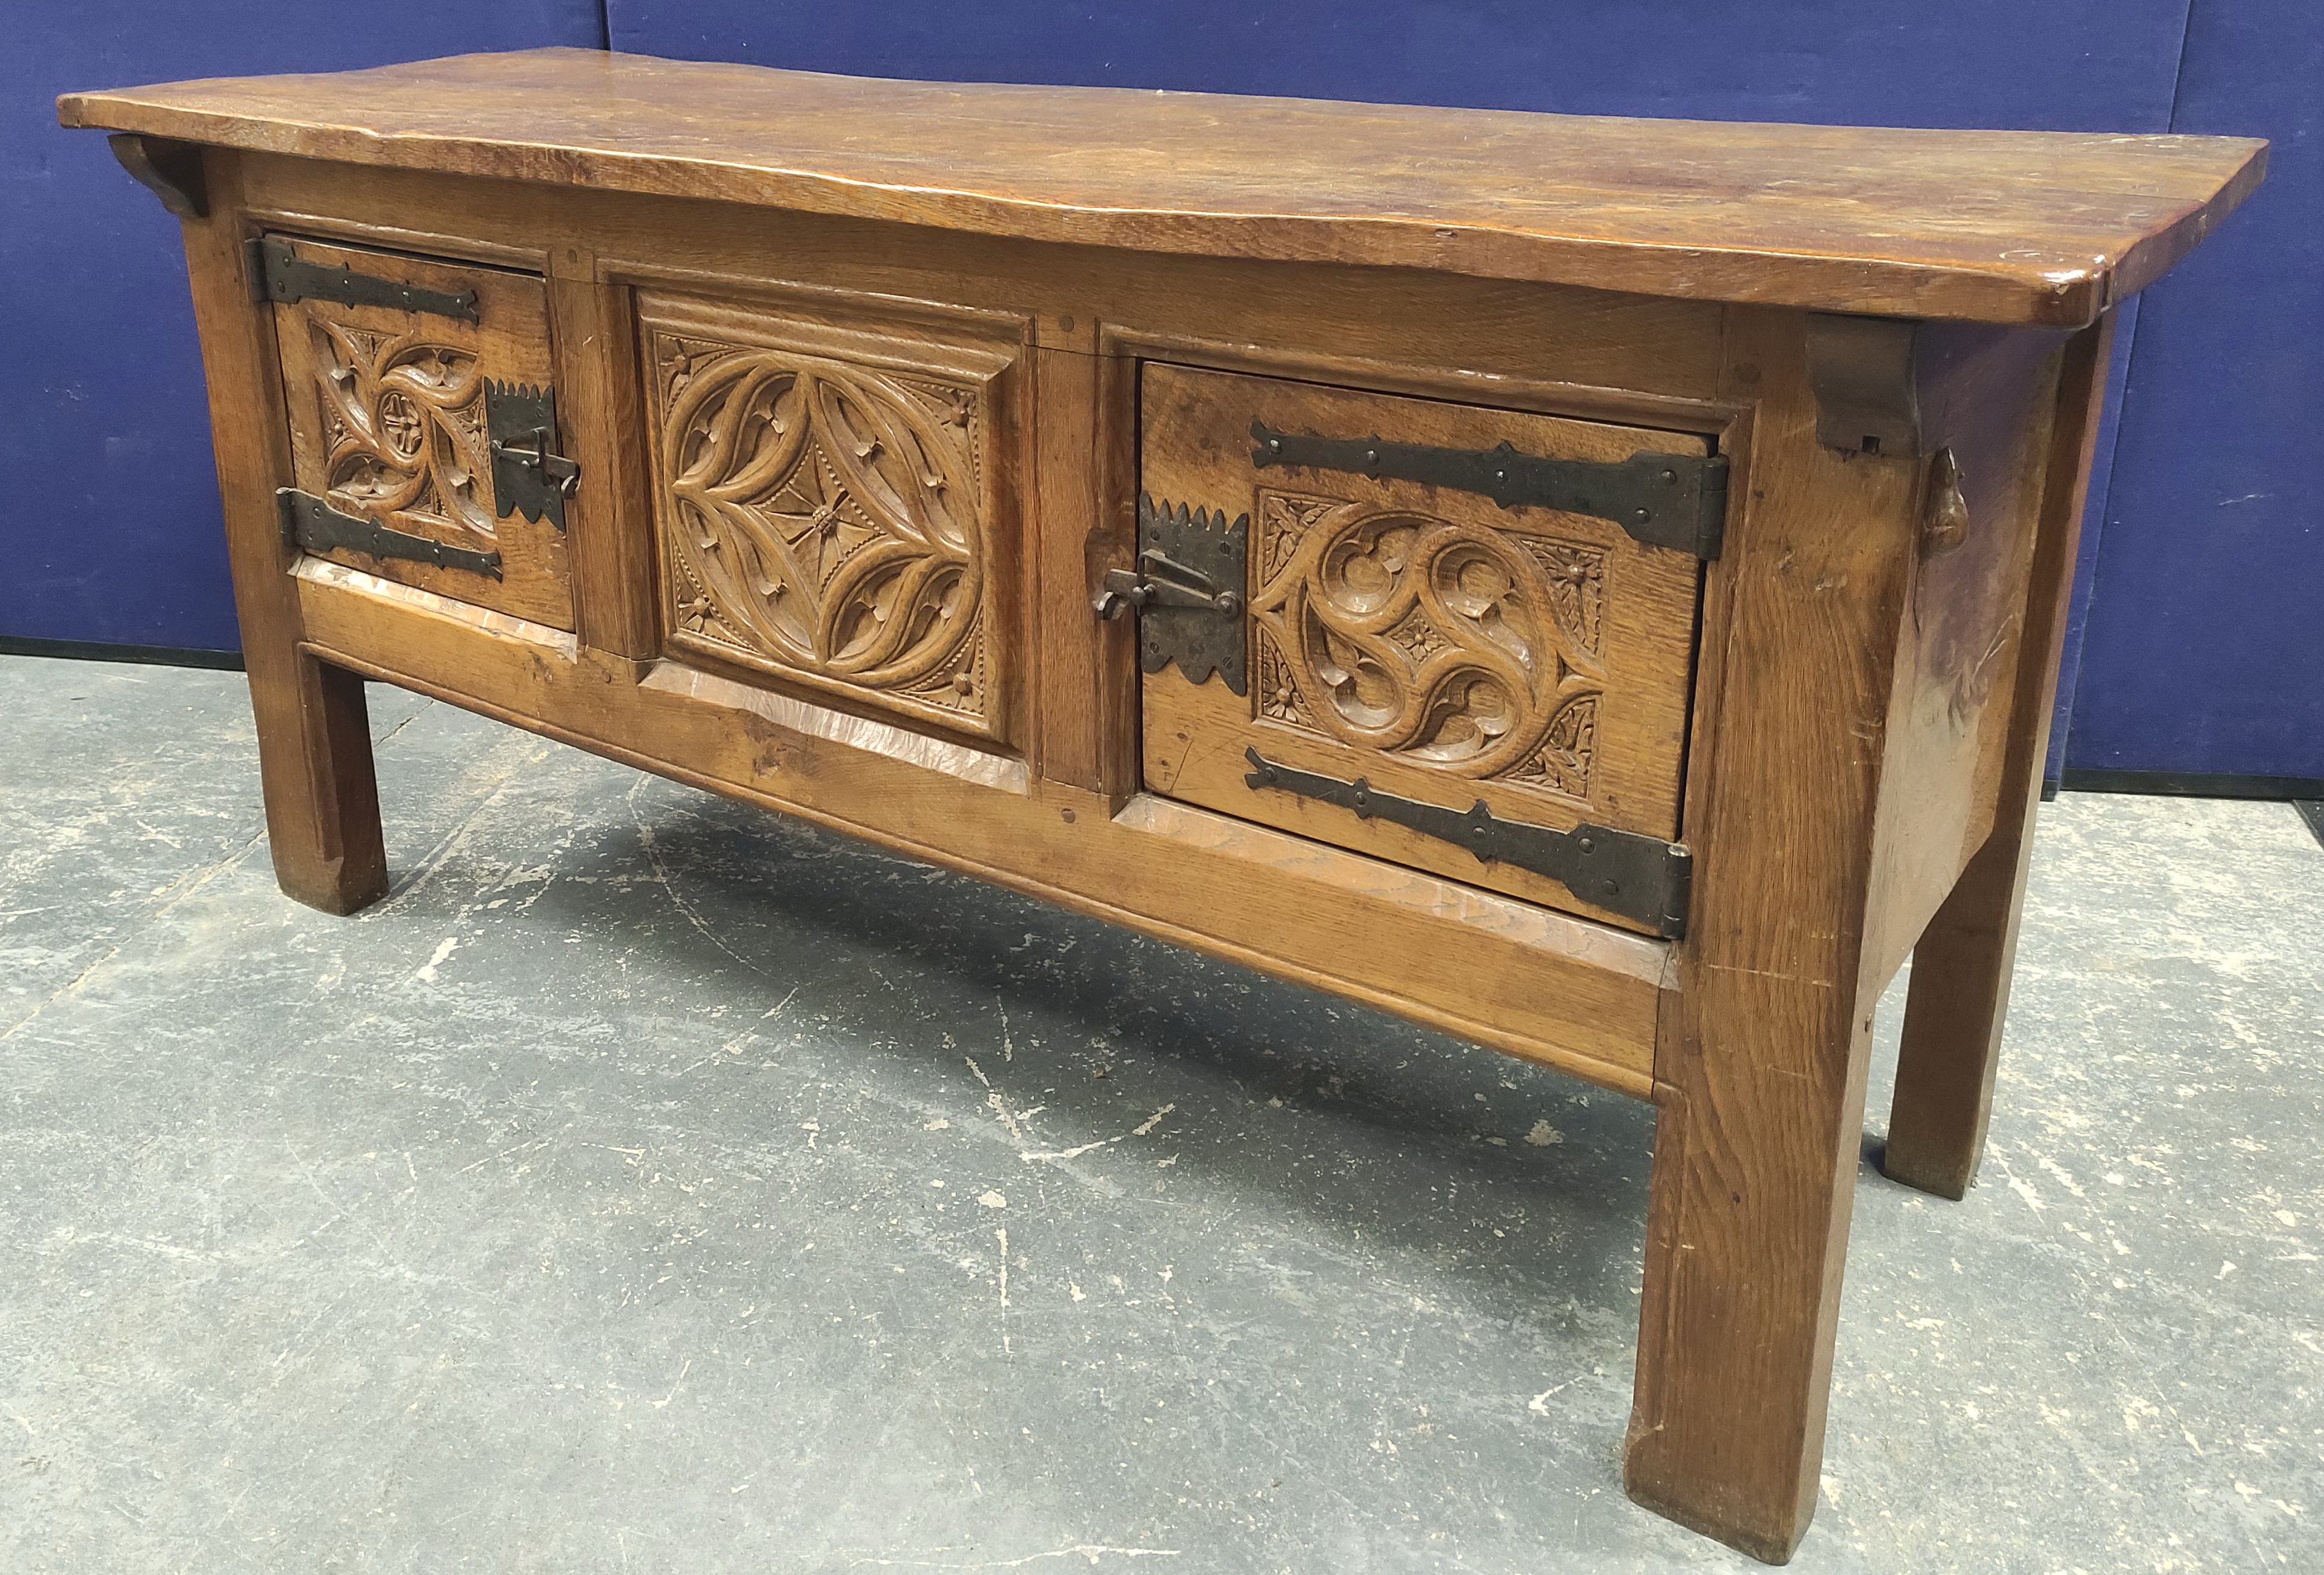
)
(1162, 581)
(1122, 591)
(556, 469)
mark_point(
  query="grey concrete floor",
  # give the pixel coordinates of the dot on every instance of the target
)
(650, 1184)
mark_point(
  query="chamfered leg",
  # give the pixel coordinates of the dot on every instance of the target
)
(322, 800)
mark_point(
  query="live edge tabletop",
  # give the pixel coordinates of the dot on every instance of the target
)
(1591, 585)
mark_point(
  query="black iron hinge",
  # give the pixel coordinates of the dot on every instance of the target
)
(1641, 877)
(1188, 589)
(310, 523)
(1677, 501)
(278, 274)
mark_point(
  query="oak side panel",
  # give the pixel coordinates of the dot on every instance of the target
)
(1986, 398)
(1759, 1071)
(314, 739)
(1959, 998)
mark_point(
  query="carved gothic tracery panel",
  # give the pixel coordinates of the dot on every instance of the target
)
(403, 427)
(1471, 651)
(826, 519)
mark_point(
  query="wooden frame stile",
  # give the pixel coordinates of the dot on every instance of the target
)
(592, 336)
(321, 798)
(1760, 1064)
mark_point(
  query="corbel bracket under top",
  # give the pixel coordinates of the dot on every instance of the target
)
(1867, 385)
(171, 170)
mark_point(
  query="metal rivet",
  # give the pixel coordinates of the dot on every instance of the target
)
(1611, 888)
(1275, 445)
(1586, 844)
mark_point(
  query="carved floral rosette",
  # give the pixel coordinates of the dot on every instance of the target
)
(1476, 652)
(824, 520)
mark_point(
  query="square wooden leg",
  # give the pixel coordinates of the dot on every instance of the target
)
(322, 800)
(1753, 1178)
(314, 738)
(1953, 1014)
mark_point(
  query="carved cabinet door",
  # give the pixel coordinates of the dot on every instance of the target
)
(388, 362)
(1415, 635)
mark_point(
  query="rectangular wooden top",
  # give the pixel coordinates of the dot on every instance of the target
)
(1997, 227)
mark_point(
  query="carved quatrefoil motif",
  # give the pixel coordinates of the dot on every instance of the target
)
(823, 519)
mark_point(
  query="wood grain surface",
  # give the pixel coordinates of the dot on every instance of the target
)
(2001, 226)
(1422, 638)
(387, 413)
(1759, 1075)
(1951, 1045)
(314, 738)
(1536, 984)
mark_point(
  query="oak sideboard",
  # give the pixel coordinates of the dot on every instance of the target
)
(1592, 586)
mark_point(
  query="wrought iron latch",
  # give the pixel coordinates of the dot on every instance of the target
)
(529, 474)
(1188, 589)
(1641, 877)
(1677, 501)
(278, 274)
(310, 522)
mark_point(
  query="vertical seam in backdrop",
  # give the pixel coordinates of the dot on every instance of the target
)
(2095, 546)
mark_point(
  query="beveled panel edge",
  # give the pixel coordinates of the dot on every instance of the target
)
(983, 766)
(562, 643)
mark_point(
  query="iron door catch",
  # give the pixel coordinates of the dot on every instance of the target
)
(1189, 590)
(530, 477)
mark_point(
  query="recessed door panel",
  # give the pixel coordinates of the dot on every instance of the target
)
(1414, 635)
(391, 366)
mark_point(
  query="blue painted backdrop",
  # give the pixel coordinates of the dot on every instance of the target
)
(110, 530)
(2205, 643)
(108, 381)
